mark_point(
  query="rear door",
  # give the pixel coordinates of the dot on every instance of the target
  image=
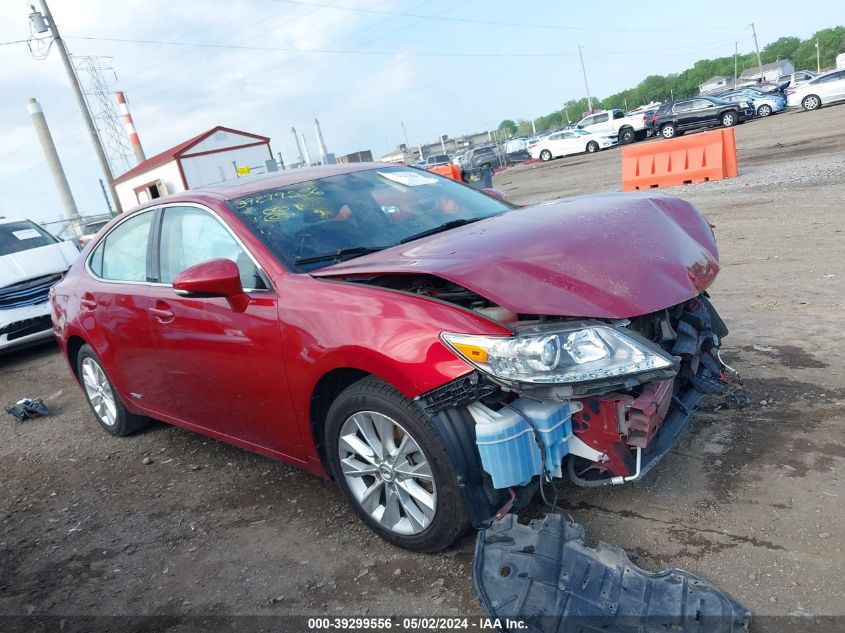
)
(225, 368)
(114, 311)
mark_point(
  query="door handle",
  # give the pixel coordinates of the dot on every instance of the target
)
(87, 301)
(162, 312)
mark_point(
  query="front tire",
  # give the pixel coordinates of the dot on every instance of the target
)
(545, 156)
(592, 147)
(811, 102)
(729, 119)
(103, 398)
(389, 462)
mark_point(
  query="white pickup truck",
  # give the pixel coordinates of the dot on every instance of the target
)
(629, 128)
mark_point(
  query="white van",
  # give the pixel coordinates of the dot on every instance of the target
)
(31, 261)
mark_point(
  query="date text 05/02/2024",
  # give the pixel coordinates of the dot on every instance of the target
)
(410, 624)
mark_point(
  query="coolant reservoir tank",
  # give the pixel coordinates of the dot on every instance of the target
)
(498, 314)
(505, 442)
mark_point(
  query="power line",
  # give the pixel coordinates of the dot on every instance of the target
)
(553, 27)
(327, 51)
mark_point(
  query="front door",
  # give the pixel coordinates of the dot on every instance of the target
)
(225, 368)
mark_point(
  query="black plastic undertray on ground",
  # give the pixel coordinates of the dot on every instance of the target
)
(545, 577)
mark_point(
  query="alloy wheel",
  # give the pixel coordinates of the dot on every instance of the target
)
(811, 103)
(764, 110)
(99, 392)
(728, 120)
(668, 131)
(387, 472)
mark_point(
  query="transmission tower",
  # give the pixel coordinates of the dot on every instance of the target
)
(91, 71)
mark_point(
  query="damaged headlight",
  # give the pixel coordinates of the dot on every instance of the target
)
(559, 356)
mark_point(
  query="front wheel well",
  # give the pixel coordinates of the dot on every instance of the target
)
(325, 391)
(74, 344)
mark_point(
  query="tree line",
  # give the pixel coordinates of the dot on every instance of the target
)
(802, 53)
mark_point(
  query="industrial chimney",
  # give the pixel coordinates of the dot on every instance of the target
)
(130, 128)
(305, 147)
(321, 145)
(298, 146)
(53, 162)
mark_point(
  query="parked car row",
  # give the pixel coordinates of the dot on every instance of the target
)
(822, 90)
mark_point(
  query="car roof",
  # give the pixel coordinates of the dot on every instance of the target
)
(5, 220)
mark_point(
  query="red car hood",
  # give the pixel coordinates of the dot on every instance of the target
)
(608, 256)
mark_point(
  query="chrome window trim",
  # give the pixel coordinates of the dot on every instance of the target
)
(163, 207)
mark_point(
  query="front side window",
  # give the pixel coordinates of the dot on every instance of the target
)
(191, 236)
(315, 223)
(22, 236)
(122, 254)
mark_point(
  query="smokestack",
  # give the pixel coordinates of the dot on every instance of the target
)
(53, 162)
(320, 143)
(298, 146)
(305, 147)
(130, 128)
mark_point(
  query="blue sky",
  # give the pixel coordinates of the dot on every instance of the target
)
(378, 68)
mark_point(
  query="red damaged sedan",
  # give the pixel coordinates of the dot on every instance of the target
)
(435, 350)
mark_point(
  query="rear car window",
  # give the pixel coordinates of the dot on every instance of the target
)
(122, 254)
(22, 236)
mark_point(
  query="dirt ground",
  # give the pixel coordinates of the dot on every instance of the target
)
(751, 499)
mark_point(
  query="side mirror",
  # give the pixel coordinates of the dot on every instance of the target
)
(214, 278)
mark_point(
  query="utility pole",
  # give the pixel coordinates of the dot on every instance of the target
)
(736, 68)
(757, 48)
(106, 196)
(818, 57)
(80, 100)
(53, 162)
(586, 85)
(281, 161)
(533, 127)
(404, 134)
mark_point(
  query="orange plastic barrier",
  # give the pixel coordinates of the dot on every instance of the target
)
(450, 171)
(679, 161)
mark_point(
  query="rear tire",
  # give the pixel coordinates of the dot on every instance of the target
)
(729, 119)
(668, 131)
(627, 136)
(103, 398)
(592, 147)
(410, 497)
(764, 110)
(545, 156)
(811, 102)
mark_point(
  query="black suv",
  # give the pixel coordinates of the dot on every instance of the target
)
(676, 117)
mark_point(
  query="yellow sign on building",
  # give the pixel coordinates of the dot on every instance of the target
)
(243, 171)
